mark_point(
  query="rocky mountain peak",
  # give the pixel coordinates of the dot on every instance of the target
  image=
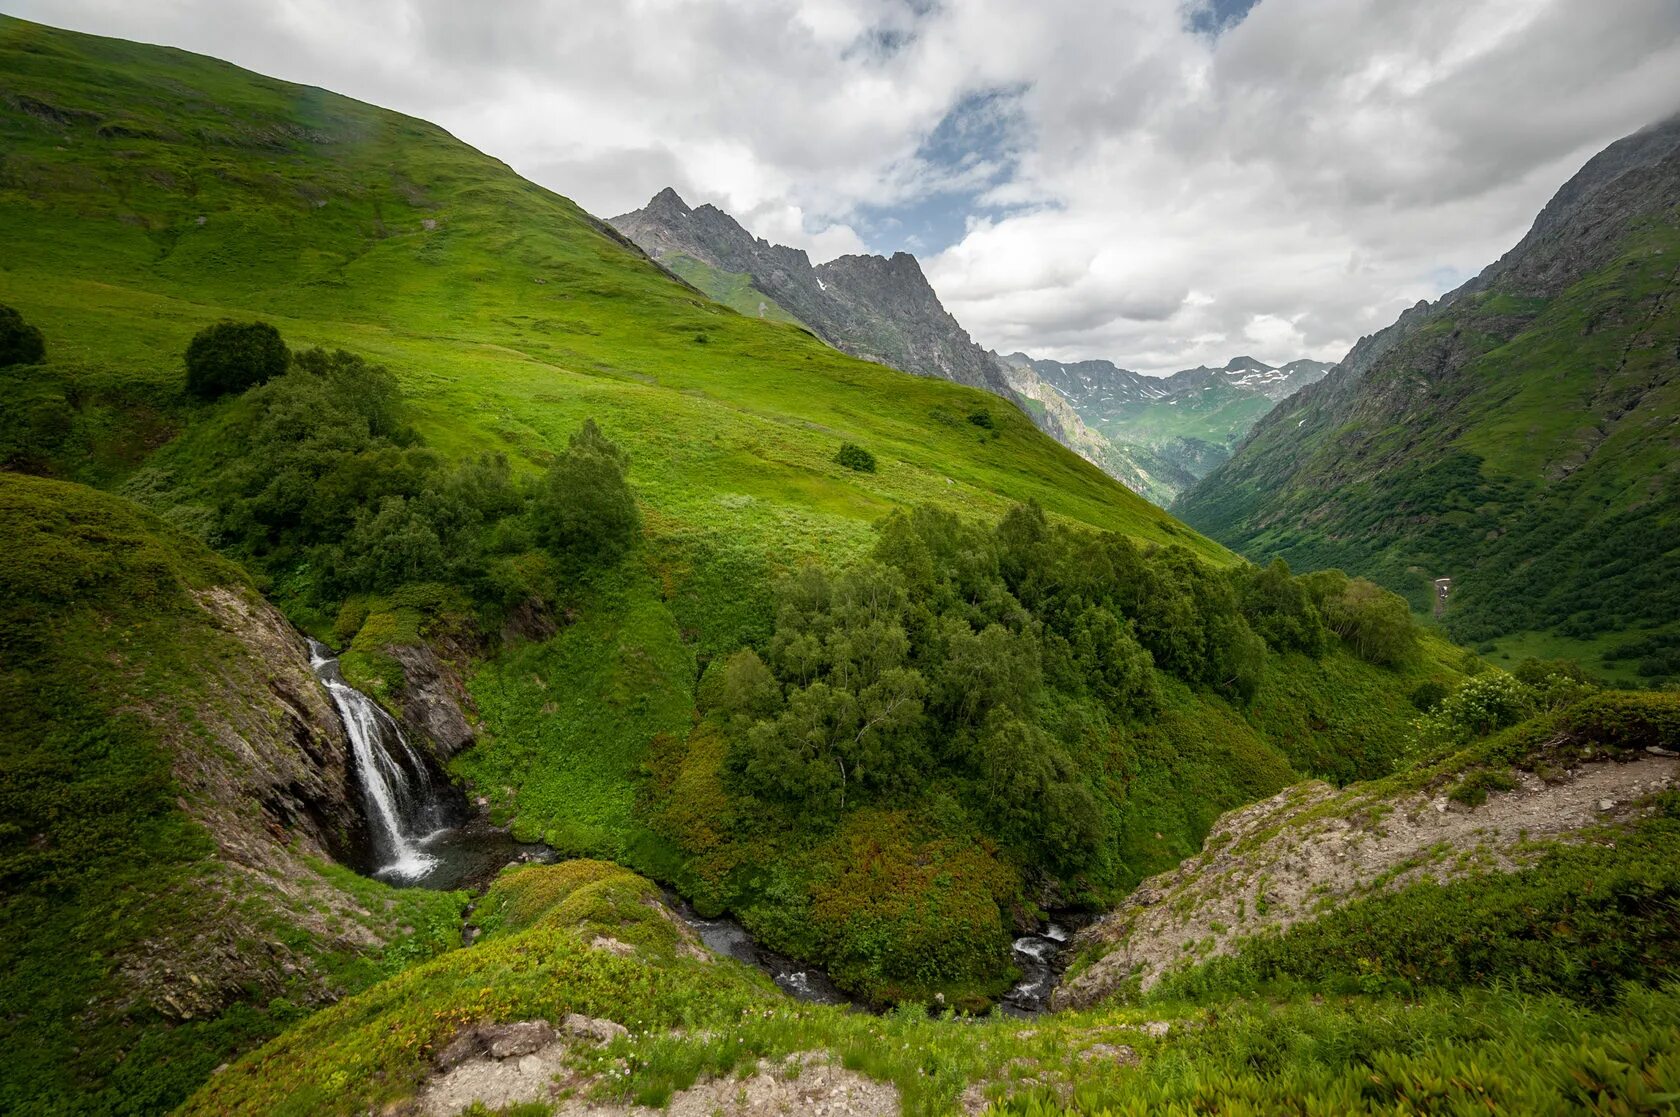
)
(879, 308)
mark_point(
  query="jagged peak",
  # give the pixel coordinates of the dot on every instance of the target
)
(668, 198)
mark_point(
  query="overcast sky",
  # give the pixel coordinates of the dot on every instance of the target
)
(1156, 182)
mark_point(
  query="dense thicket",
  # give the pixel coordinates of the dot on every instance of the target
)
(986, 655)
(20, 343)
(230, 357)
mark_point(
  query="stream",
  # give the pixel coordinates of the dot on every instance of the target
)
(424, 836)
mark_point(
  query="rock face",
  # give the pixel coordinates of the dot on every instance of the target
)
(434, 699)
(1522, 423)
(1283, 860)
(878, 308)
(289, 756)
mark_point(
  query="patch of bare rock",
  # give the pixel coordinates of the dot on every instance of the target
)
(1310, 847)
(499, 1065)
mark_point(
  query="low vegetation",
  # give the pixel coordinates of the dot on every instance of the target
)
(688, 1020)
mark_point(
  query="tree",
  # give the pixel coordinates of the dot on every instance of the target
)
(233, 356)
(583, 505)
(20, 343)
(1280, 609)
(1375, 623)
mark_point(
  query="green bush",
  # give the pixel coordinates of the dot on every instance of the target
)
(1428, 694)
(230, 357)
(1373, 622)
(584, 508)
(855, 457)
(20, 343)
(982, 418)
(1479, 706)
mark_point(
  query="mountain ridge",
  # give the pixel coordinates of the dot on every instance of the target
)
(1518, 433)
(878, 308)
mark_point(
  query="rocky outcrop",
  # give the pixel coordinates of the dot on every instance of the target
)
(434, 699)
(286, 755)
(1309, 847)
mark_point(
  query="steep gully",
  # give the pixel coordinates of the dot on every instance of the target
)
(424, 836)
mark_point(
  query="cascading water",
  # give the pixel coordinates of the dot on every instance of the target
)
(403, 806)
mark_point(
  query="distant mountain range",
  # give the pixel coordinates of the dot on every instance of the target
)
(1157, 435)
(1167, 432)
(1520, 436)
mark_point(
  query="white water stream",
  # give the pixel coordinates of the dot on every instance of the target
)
(403, 807)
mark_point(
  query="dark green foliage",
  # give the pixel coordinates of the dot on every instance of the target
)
(982, 418)
(1280, 609)
(20, 343)
(230, 357)
(1373, 622)
(989, 658)
(855, 457)
(317, 481)
(1428, 694)
(584, 508)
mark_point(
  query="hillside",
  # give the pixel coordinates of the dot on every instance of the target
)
(1398, 947)
(1163, 434)
(1517, 437)
(175, 789)
(592, 535)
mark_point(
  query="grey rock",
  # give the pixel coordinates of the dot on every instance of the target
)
(433, 699)
(592, 1027)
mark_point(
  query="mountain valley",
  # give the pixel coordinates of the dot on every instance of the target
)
(461, 656)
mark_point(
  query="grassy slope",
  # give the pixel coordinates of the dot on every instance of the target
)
(732, 289)
(509, 320)
(1542, 474)
(109, 672)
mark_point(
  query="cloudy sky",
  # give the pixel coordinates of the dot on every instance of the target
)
(1159, 182)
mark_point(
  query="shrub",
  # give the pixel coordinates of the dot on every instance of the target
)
(583, 505)
(1481, 705)
(20, 343)
(1375, 623)
(982, 418)
(1428, 694)
(855, 457)
(230, 357)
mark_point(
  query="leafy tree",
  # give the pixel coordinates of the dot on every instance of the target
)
(749, 691)
(1373, 622)
(584, 508)
(1279, 608)
(1116, 668)
(20, 343)
(230, 357)
(391, 547)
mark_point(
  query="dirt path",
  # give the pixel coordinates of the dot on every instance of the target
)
(1282, 860)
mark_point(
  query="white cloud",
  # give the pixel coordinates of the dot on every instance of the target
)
(1172, 199)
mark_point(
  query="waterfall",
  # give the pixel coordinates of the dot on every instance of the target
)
(403, 807)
